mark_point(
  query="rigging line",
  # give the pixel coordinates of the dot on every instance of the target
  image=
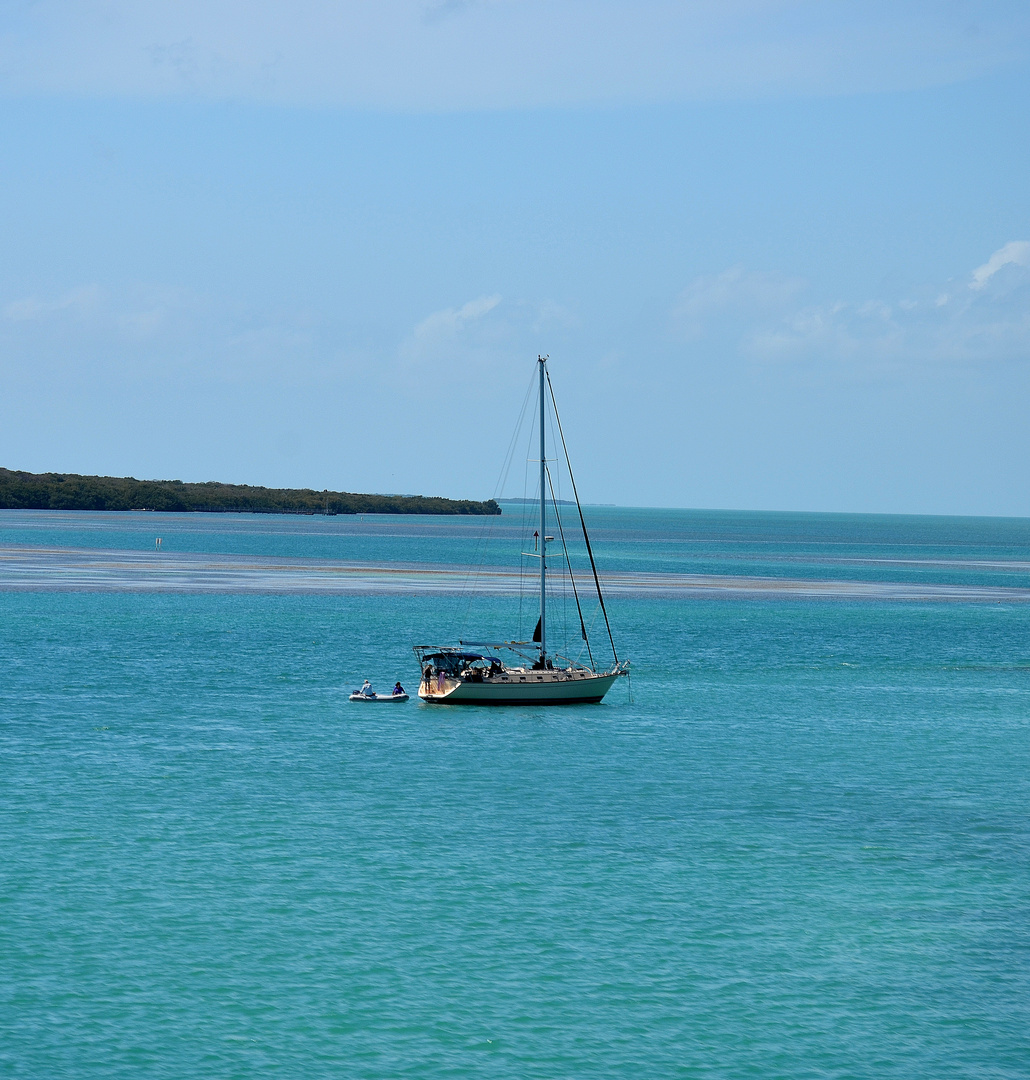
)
(586, 537)
(505, 472)
(575, 591)
(527, 507)
(475, 569)
(554, 504)
(590, 629)
(555, 483)
(557, 513)
(510, 456)
(522, 545)
(522, 588)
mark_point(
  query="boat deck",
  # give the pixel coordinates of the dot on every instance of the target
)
(513, 685)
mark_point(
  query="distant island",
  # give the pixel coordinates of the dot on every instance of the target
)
(68, 491)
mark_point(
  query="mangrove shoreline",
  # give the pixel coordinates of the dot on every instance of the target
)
(69, 491)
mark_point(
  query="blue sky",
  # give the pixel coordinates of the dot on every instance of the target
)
(778, 252)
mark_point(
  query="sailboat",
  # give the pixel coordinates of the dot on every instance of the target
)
(469, 673)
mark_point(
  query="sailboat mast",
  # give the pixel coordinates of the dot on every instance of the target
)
(543, 520)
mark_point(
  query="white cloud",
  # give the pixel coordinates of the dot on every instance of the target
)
(81, 301)
(174, 333)
(470, 54)
(548, 317)
(24, 310)
(1014, 252)
(450, 321)
(168, 332)
(734, 294)
(766, 319)
(445, 9)
(470, 336)
(482, 337)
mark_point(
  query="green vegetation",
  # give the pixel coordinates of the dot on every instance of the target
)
(67, 491)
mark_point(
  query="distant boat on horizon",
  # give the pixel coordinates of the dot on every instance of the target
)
(527, 502)
(560, 502)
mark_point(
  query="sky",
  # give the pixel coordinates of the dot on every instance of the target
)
(778, 251)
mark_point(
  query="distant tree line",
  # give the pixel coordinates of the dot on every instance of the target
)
(68, 491)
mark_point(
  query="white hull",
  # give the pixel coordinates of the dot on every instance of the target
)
(518, 688)
(392, 698)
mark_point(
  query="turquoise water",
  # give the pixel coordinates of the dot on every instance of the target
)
(800, 850)
(976, 551)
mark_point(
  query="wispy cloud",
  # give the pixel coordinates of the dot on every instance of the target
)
(1015, 252)
(485, 335)
(171, 332)
(450, 321)
(473, 335)
(471, 54)
(766, 319)
(445, 9)
(735, 293)
(83, 300)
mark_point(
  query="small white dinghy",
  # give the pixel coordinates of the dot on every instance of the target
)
(359, 696)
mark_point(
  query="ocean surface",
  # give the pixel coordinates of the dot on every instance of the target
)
(795, 844)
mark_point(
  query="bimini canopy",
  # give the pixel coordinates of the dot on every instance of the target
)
(455, 655)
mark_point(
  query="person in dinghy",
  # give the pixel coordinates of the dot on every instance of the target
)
(366, 693)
